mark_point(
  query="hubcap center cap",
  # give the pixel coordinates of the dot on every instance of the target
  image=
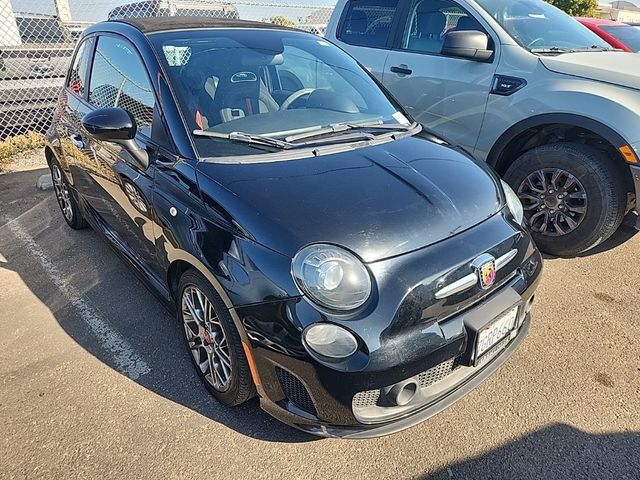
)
(551, 201)
(206, 337)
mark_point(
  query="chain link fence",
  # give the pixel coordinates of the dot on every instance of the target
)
(37, 38)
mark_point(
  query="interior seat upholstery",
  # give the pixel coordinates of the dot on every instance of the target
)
(428, 37)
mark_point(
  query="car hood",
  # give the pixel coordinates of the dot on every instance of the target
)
(377, 201)
(619, 68)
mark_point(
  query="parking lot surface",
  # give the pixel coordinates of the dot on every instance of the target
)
(95, 381)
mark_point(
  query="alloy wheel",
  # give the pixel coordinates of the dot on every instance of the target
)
(62, 193)
(554, 201)
(206, 338)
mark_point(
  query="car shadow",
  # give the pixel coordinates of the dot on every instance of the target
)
(104, 307)
(622, 235)
(556, 452)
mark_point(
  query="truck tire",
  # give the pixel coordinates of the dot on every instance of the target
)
(573, 196)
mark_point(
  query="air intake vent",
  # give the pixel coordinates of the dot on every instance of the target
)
(295, 391)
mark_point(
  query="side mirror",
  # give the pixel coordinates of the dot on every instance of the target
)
(470, 44)
(118, 126)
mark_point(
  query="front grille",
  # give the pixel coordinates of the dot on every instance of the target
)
(371, 398)
(437, 373)
(295, 391)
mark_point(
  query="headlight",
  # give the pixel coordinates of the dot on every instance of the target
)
(330, 340)
(332, 277)
(513, 202)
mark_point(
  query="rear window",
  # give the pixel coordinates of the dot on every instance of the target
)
(367, 23)
(628, 35)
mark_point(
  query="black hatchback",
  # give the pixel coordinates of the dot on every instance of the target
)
(320, 249)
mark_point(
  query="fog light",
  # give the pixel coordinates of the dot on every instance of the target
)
(330, 340)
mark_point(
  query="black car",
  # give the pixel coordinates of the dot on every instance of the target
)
(321, 249)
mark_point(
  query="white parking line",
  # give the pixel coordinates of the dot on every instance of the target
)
(125, 359)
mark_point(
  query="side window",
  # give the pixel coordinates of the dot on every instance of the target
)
(79, 68)
(368, 22)
(428, 23)
(119, 79)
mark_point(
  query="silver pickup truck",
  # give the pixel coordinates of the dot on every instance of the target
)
(522, 85)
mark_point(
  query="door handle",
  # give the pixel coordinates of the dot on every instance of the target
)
(77, 141)
(401, 70)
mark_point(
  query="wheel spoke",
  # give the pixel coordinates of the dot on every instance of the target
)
(577, 209)
(579, 195)
(545, 220)
(542, 178)
(554, 178)
(569, 221)
(570, 182)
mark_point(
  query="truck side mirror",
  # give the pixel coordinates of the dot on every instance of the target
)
(470, 44)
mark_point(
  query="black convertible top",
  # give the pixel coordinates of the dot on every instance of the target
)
(158, 24)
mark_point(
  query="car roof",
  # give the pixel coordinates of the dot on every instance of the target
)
(163, 24)
(600, 21)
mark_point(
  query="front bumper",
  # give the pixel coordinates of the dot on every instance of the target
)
(323, 399)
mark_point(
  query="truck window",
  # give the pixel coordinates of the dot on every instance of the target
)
(367, 23)
(428, 24)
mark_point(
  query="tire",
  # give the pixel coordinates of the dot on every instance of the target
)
(593, 203)
(240, 387)
(69, 207)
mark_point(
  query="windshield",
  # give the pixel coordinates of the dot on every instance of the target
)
(269, 84)
(540, 27)
(628, 35)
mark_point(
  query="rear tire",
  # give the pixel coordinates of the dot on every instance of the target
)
(66, 200)
(211, 337)
(574, 196)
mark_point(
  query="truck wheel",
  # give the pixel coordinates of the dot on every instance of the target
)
(573, 196)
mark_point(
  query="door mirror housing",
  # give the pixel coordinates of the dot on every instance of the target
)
(118, 126)
(470, 44)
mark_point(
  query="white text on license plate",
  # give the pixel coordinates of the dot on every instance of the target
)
(495, 332)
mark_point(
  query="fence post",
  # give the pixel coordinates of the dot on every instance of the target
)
(64, 12)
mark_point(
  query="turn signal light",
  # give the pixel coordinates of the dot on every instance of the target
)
(628, 154)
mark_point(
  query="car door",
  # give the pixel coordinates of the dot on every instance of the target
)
(366, 31)
(116, 188)
(446, 94)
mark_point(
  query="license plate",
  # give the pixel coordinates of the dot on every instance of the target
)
(496, 331)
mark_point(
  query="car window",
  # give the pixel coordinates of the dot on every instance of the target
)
(628, 35)
(119, 79)
(428, 22)
(78, 72)
(368, 22)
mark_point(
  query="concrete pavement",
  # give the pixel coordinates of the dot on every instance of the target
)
(95, 381)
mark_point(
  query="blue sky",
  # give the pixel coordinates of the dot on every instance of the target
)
(95, 10)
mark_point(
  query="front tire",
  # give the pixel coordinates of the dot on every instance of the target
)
(66, 201)
(573, 196)
(213, 341)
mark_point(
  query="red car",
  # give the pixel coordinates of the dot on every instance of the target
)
(618, 35)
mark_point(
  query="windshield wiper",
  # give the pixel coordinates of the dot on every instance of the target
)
(346, 126)
(552, 50)
(244, 137)
(559, 50)
(595, 48)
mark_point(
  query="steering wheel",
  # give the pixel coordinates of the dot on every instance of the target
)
(295, 96)
(532, 43)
